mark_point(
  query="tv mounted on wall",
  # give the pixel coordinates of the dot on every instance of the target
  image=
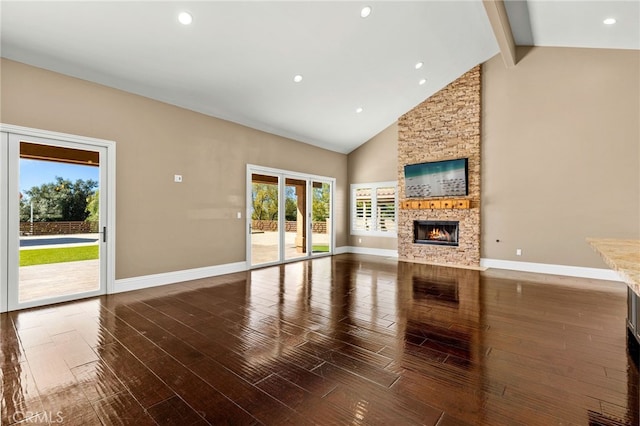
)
(437, 179)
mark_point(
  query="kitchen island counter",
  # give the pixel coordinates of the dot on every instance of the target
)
(624, 257)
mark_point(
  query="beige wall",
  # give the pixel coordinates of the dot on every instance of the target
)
(163, 226)
(560, 161)
(560, 154)
(375, 161)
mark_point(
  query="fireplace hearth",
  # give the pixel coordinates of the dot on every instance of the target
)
(436, 232)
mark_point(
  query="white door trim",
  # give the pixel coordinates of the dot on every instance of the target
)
(110, 178)
(4, 221)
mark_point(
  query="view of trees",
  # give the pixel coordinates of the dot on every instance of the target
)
(264, 198)
(93, 207)
(291, 204)
(61, 200)
(321, 198)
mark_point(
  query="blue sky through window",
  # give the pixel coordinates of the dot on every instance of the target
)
(36, 172)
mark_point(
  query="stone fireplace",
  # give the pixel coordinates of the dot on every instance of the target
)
(436, 232)
(446, 126)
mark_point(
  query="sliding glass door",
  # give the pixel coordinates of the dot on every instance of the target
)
(295, 232)
(289, 216)
(56, 205)
(265, 213)
(321, 217)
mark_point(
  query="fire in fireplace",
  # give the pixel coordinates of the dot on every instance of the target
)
(439, 232)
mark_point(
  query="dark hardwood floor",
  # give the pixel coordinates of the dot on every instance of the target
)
(343, 340)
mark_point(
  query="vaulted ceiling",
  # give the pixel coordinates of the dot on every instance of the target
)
(237, 60)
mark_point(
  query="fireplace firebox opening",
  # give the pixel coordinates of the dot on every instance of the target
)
(438, 232)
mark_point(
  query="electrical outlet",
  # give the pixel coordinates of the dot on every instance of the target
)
(359, 240)
(518, 252)
(177, 178)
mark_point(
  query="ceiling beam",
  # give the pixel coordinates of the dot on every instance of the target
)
(497, 13)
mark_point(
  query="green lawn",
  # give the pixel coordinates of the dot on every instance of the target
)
(58, 255)
(320, 248)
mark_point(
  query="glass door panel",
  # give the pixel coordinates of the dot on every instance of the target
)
(321, 218)
(57, 208)
(265, 219)
(295, 238)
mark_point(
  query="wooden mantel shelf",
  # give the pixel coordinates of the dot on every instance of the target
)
(448, 203)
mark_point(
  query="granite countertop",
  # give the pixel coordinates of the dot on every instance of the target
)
(622, 256)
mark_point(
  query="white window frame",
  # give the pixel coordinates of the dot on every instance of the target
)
(374, 209)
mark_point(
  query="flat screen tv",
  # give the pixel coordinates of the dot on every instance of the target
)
(437, 179)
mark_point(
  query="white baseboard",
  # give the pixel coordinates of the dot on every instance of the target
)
(546, 268)
(366, 250)
(155, 280)
(341, 250)
(147, 281)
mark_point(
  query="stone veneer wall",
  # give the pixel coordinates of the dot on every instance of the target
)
(445, 126)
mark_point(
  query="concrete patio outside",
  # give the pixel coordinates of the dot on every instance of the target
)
(264, 246)
(57, 279)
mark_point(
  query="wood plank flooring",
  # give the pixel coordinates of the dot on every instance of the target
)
(349, 339)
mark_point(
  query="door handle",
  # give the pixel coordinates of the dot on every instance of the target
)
(104, 234)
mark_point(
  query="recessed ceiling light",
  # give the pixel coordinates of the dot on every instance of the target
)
(609, 21)
(185, 18)
(358, 110)
(419, 65)
(366, 11)
(423, 81)
(297, 78)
